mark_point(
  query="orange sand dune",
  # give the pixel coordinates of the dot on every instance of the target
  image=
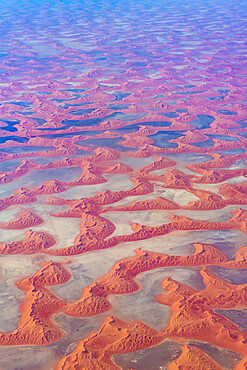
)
(114, 336)
(147, 130)
(105, 154)
(93, 226)
(21, 196)
(50, 273)
(29, 195)
(89, 176)
(21, 170)
(159, 164)
(235, 192)
(134, 109)
(77, 207)
(146, 151)
(93, 204)
(193, 316)
(218, 161)
(158, 203)
(36, 327)
(26, 218)
(35, 242)
(241, 365)
(65, 162)
(190, 137)
(67, 146)
(92, 174)
(173, 178)
(219, 145)
(84, 244)
(141, 232)
(50, 187)
(215, 176)
(193, 358)
(120, 168)
(136, 140)
(105, 134)
(207, 200)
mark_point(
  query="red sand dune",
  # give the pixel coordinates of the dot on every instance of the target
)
(190, 137)
(193, 358)
(241, 364)
(49, 187)
(193, 318)
(120, 168)
(216, 176)
(35, 242)
(158, 164)
(21, 170)
(193, 315)
(140, 232)
(21, 196)
(89, 176)
(114, 336)
(218, 161)
(173, 178)
(155, 204)
(119, 280)
(56, 109)
(136, 140)
(235, 193)
(26, 218)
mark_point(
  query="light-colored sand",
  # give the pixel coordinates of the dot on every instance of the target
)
(129, 200)
(121, 220)
(216, 215)
(13, 268)
(37, 177)
(63, 229)
(215, 187)
(153, 358)
(137, 163)
(125, 306)
(180, 196)
(114, 183)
